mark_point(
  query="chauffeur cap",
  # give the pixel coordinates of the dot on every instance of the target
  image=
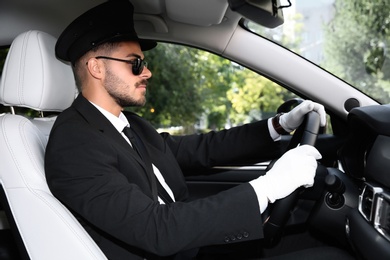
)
(111, 21)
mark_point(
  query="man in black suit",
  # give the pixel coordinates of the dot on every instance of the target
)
(124, 181)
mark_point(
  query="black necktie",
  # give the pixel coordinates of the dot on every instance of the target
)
(133, 140)
(139, 147)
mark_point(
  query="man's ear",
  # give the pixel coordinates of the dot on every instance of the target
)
(95, 68)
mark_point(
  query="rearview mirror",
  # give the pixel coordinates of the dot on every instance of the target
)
(265, 12)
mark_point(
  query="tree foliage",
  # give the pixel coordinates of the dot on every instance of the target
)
(255, 98)
(190, 85)
(356, 45)
(172, 96)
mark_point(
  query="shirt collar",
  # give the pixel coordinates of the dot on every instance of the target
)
(118, 122)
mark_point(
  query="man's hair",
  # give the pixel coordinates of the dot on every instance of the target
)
(80, 66)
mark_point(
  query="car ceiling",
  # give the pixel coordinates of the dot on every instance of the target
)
(154, 18)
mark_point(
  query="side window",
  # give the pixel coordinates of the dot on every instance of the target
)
(193, 91)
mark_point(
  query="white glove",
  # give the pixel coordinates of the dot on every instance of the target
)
(293, 119)
(294, 169)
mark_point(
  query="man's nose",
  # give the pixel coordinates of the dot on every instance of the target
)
(146, 73)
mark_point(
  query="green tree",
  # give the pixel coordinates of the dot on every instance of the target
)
(255, 98)
(356, 45)
(189, 85)
(217, 75)
(172, 96)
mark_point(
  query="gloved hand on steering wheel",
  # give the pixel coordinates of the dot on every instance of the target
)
(293, 119)
(294, 169)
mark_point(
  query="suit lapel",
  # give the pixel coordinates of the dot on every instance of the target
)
(96, 119)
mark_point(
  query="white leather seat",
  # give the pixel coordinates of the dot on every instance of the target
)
(34, 78)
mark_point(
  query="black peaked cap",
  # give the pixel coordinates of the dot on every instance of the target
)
(111, 21)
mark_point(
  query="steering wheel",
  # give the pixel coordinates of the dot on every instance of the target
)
(306, 133)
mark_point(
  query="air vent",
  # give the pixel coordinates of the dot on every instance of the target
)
(382, 215)
(366, 201)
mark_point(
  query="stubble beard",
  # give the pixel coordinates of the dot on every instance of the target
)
(114, 84)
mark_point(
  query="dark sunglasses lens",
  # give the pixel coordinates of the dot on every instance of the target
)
(138, 66)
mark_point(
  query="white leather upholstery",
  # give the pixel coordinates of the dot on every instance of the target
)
(34, 78)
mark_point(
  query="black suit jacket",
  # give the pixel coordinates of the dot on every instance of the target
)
(94, 172)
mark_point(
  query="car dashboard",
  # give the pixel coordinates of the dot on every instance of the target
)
(365, 158)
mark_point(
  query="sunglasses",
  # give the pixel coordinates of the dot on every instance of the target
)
(137, 65)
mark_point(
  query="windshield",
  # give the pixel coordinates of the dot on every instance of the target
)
(348, 38)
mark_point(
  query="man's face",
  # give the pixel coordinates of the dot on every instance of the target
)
(120, 82)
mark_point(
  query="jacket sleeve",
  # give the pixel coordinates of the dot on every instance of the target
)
(250, 143)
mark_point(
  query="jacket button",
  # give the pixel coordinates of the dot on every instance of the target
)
(227, 239)
(246, 234)
(239, 236)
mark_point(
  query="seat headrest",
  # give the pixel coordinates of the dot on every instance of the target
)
(33, 77)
